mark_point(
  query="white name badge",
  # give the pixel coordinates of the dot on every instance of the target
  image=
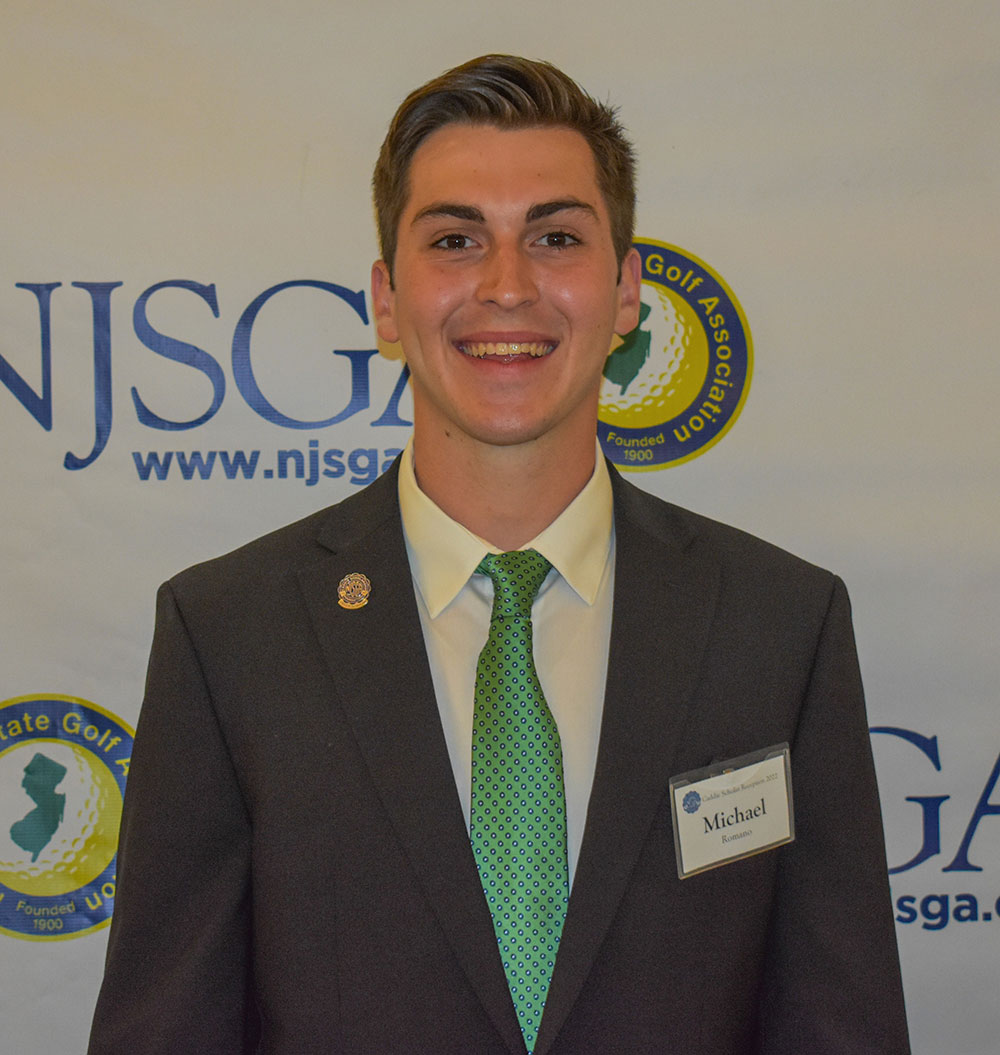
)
(732, 809)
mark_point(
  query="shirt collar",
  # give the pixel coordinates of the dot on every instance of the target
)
(443, 553)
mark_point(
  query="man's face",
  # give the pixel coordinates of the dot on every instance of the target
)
(506, 292)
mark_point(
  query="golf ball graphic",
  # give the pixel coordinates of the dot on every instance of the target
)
(85, 822)
(671, 377)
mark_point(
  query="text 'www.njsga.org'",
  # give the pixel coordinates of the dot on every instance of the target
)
(360, 466)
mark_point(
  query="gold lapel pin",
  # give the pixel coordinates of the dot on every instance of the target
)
(353, 590)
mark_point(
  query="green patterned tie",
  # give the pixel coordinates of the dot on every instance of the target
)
(518, 817)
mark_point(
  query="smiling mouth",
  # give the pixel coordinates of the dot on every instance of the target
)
(506, 349)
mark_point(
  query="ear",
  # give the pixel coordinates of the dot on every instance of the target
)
(384, 303)
(629, 293)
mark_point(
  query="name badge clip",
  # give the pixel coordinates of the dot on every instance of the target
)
(732, 809)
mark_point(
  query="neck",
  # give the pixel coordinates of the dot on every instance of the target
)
(504, 494)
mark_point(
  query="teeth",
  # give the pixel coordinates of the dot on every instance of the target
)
(504, 348)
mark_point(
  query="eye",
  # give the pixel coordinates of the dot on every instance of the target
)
(453, 241)
(558, 240)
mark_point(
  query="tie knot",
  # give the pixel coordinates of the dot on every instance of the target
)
(517, 577)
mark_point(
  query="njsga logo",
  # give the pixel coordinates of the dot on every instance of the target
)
(674, 385)
(63, 764)
(692, 802)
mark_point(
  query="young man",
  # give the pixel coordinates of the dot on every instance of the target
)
(401, 776)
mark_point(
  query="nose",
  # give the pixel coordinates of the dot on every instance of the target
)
(507, 278)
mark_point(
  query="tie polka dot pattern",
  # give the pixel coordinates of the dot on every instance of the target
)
(518, 817)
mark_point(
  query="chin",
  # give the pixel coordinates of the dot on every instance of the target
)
(507, 432)
(506, 437)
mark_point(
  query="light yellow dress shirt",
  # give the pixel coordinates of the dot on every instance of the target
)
(571, 619)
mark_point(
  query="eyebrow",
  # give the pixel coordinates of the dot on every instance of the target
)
(550, 208)
(450, 209)
(456, 211)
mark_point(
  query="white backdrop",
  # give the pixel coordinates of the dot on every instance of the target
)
(838, 164)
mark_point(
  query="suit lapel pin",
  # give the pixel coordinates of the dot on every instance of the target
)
(353, 590)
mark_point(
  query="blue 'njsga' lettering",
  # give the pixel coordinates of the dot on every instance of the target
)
(38, 403)
(930, 806)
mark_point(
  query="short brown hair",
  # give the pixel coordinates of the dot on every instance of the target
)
(509, 92)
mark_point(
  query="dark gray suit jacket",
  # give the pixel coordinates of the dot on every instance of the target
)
(295, 875)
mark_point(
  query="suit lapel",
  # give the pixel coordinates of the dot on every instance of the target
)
(663, 603)
(390, 704)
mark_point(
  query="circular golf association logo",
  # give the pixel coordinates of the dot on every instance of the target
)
(692, 800)
(63, 764)
(675, 384)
